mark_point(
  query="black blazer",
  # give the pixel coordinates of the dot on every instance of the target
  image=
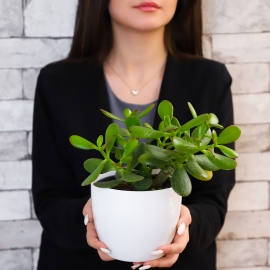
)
(68, 98)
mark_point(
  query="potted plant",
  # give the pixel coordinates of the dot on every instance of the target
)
(137, 187)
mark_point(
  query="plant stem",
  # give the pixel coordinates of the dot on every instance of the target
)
(160, 179)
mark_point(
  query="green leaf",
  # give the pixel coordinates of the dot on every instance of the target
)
(220, 161)
(127, 112)
(195, 168)
(165, 108)
(229, 134)
(175, 122)
(94, 175)
(108, 147)
(81, 143)
(132, 121)
(212, 119)
(121, 141)
(92, 163)
(193, 123)
(143, 184)
(160, 153)
(187, 136)
(199, 177)
(137, 153)
(124, 132)
(112, 116)
(192, 110)
(183, 146)
(145, 133)
(200, 130)
(214, 137)
(217, 126)
(167, 120)
(118, 175)
(205, 140)
(147, 125)
(170, 128)
(180, 182)
(205, 163)
(99, 141)
(131, 177)
(108, 184)
(135, 113)
(152, 161)
(126, 159)
(130, 147)
(161, 126)
(118, 153)
(112, 130)
(228, 151)
(146, 111)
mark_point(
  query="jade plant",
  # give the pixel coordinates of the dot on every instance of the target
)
(177, 150)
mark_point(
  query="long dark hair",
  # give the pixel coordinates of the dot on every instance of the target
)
(93, 38)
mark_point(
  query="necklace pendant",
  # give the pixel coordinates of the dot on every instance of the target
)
(134, 92)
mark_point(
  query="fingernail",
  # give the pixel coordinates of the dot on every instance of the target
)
(105, 250)
(157, 252)
(145, 267)
(86, 219)
(135, 266)
(181, 228)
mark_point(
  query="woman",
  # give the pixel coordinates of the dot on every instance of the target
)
(124, 53)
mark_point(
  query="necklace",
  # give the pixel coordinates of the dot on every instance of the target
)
(134, 92)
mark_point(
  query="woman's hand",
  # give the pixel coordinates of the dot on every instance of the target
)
(91, 234)
(173, 250)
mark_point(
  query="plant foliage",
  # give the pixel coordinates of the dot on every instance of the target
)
(179, 151)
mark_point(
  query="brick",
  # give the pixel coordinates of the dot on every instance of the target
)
(49, 18)
(20, 234)
(12, 146)
(11, 18)
(241, 48)
(10, 84)
(15, 175)
(246, 142)
(250, 78)
(16, 115)
(32, 53)
(242, 197)
(29, 82)
(240, 225)
(29, 142)
(239, 16)
(14, 211)
(253, 166)
(16, 259)
(252, 108)
(241, 253)
(35, 258)
(207, 47)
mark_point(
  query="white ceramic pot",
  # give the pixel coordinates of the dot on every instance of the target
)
(134, 223)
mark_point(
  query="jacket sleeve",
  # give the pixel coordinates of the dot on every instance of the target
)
(57, 203)
(208, 200)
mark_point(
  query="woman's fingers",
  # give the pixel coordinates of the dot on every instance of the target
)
(166, 261)
(93, 241)
(91, 234)
(184, 216)
(87, 211)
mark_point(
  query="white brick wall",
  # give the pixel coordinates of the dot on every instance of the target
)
(34, 33)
